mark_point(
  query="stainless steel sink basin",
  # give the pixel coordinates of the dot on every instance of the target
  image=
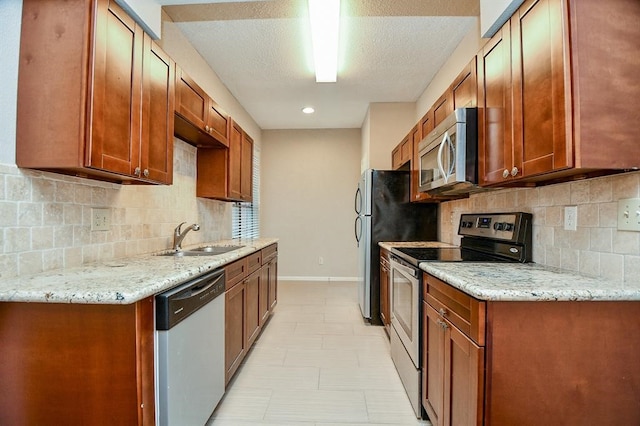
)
(204, 251)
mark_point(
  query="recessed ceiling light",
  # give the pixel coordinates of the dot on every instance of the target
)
(308, 110)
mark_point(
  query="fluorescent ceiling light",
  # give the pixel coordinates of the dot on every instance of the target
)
(308, 110)
(324, 16)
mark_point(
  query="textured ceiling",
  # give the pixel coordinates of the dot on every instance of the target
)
(261, 50)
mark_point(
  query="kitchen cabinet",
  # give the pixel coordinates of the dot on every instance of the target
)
(95, 94)
(528, 362)
(227, 174)
(77, 363)
(565, 107)
(442, 107)
(249, 301)
(199, 120)
(464, 89)
(385, 288)
(270, 267)
(453, 361)
(401, 154)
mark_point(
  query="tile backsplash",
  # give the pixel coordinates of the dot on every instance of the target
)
(45, 217)
(597, 248)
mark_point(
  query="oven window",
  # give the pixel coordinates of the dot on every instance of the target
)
(403, 305)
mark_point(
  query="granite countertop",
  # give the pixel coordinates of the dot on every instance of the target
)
(426, 244)
(528, 282)
(121, 281)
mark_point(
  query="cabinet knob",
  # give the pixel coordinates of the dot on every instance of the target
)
(206, 128)
(137, 171)
(514, 171)
(443, 312)
(146, 173)
(505, 174)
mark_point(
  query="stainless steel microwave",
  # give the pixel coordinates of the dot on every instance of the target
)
(449, 155)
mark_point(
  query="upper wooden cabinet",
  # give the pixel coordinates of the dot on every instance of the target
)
(199, 120)
(464, 88)
(227, 174)
(402, 153)
(97, 102)
(570, 83)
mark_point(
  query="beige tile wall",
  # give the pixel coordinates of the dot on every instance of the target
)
(596, 248)
(45, 217)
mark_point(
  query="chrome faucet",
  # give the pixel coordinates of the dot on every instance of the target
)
(178, 235)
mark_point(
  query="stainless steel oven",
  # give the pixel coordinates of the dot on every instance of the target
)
(405, 326)
(449, 155)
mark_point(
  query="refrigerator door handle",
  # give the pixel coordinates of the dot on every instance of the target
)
(357, 225)
(358, 201)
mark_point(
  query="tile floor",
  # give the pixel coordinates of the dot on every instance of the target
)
(317, 363)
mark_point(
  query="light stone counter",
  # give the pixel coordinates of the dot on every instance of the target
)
(121, 281)
(529, 282)
(420, 244)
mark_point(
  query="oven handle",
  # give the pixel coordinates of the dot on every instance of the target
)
(396, 263)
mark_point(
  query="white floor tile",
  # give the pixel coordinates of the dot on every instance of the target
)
(321, 358)
(243, 404)
(324, 328)
(277, 377)
(265, 355)
(360, 379)
(360, 343)
(317, 405)
(385, 406)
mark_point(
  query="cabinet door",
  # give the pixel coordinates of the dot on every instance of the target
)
(158, 101)
(494, 109)
(235, 329)
(464, 89)
(252, 288)
(433, 367)
(426, 126)
(218, 123)
(191, 101)
(235, 161)
(442, 108)
(541, 140)
(246, 168)
(263, 298)
(116, 101)
(464, 379)
(406, 149)
(396, 157)
(273, 283)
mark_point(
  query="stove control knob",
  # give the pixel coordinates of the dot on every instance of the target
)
(498, 226)
(508, 226)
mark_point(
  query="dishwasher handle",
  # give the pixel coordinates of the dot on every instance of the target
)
(180, 302)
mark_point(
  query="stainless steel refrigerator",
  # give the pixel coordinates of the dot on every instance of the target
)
(385, 213)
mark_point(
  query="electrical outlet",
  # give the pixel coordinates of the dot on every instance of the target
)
(571, 218)
(321, 260)
(100, 219)
(629, 214)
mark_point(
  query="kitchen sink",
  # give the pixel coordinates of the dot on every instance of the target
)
(204, 251)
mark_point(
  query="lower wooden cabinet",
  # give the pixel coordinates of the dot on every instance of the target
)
(250, 298)
(528, 362)
(77, 364)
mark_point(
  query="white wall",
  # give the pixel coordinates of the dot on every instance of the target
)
(387, 123)
(10, 21)
(309, 179)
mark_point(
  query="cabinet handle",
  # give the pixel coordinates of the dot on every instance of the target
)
(442, 324)
(146, 173)
(505, 174)
(514, 171)
(443, 312)
(206, 128)
(137, 171)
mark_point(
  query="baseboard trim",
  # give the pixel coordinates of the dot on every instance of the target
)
(327, 279)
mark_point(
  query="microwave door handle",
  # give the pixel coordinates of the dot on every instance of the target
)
(452, 158)
(440, 152)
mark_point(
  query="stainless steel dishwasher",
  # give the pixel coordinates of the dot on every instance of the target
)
(190, 350)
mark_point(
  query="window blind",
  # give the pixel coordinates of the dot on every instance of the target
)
(246, 216)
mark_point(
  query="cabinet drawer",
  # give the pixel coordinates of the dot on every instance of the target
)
(254, 262)
(462, 310)
(269, 253)
(235, 272)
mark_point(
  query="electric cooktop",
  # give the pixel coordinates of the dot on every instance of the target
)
(490, 237)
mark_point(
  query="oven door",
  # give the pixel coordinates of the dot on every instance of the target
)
(405, 306)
